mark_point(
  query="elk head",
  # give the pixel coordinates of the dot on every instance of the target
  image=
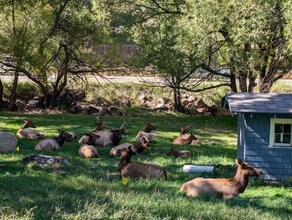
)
(247, 169)
(149, 127)
(28, 124)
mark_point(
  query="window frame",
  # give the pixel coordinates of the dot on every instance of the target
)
(274, 121)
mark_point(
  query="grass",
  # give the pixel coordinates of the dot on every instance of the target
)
(91, 188)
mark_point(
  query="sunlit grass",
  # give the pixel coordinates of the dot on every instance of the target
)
(91, 188)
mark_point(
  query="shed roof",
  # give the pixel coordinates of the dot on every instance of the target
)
(260, 103)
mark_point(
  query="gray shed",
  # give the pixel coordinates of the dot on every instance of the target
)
(264, 132)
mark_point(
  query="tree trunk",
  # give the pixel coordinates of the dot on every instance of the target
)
(265, 85)
(242, 81)
(12, 97)
(252, 82)
(1, 95)
(233, 82)
(177, 102)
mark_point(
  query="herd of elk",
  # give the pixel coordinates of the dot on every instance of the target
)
(226, 188)
(138, 169)
(26, 132)
(185, 139)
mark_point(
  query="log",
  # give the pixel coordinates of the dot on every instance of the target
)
(197, 168)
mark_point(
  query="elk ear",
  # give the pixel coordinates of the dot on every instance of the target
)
(239, 162)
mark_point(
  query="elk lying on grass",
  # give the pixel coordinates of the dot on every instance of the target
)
(27, 133)
(135, 147)
(226, 188)
(185, 139)
(54, 143)
(181, 153)
(146, 133)
(138, 169)
(105, 138)
(88, 150)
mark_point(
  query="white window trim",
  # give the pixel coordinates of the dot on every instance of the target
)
(272, 132)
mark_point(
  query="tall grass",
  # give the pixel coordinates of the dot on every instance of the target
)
(91, 188)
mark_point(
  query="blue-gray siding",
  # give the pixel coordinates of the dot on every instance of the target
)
(253, 141)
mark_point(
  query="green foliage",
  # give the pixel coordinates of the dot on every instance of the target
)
(91, 188)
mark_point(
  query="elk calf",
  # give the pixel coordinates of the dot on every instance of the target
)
(181, 153)
(226, 188)
(138, 169)
(146, 133)
(135, 147)
(27, 133)
(54, 143)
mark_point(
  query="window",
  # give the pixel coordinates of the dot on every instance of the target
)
(281, 132)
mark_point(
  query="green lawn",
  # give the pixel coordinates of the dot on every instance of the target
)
(91, 188)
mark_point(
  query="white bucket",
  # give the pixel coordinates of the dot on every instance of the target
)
(197, 169)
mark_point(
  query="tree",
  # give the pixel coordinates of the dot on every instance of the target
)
(248, 38)
(51, 37)
(157, 30)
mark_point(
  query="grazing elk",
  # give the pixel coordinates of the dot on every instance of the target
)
(226, 188)
(135, 147)
(138, 169)
(27, 133)
(146, 133)
(181, 153)
(54, 143)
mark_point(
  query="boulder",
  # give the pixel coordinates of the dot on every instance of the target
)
(8, 142)
(20, 105)
(92, 109)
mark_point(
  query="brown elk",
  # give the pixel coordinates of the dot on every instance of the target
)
(226, 188)
(54, 143)
(138, 169)
(181, 153)
(27, 133)
(184, 138)
(146, 133)
(135, 147)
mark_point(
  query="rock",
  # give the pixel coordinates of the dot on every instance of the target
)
(112, 110)
(20, 105)
(92, 109)
(200, 103)
(32, 104)
(8, 142)
(103, 111)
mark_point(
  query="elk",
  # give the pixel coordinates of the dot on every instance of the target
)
(185, 138)
(146, 133)
(54, 143)
(27, 133)
(135, 147)
(226, 188)
(138, 169)
(181, 153)
(106, 138)
(87, 151)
